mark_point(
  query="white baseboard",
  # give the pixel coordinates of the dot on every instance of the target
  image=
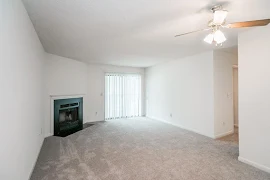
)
(48, 135)
(36, 159)
(223, 134)
(94, 121)
(180, 126)
(254, 164)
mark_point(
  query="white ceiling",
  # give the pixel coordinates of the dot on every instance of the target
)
(137, 33)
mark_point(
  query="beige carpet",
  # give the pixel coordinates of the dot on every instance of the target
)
(140, 149)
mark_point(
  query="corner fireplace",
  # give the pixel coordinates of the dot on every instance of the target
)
(68, 116)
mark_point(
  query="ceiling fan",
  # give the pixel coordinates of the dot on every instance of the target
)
(216, 36)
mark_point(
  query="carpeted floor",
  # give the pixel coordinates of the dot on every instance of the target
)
(140, 149)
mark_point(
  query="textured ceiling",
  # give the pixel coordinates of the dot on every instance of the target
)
(137, 33)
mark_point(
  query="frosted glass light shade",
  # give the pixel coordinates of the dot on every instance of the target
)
(219, 37)
(209, 38)
(219, 16)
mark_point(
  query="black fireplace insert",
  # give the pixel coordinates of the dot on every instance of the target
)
(68, 116)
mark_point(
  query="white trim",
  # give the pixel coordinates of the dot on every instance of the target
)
(48, 135)
(93, 121)
(34, 165)
(224, 134)
(67, 96)
(254, 164)
(122, 73)
(54, 97)
(180, 126)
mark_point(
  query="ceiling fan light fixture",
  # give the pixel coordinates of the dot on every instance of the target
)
(220, 16)
(219, 21)
(219, 37)
(209, 38)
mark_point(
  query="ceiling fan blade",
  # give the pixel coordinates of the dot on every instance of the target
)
(191, 32)
(262, 22)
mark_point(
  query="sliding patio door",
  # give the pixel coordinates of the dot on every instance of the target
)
(122, 95)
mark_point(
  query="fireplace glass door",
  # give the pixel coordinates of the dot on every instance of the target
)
(68, 116)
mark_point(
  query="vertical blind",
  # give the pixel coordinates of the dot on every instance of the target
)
(122, 95)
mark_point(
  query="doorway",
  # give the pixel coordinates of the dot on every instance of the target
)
(235, 96)
(235, 102)
(234, 137)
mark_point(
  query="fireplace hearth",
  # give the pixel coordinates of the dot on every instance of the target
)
(68, 116)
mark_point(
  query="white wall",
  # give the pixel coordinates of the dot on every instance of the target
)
(21, 85)
(67, 77)
(223, 92)
(254, 97)
(196, 90)
(185, 89)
